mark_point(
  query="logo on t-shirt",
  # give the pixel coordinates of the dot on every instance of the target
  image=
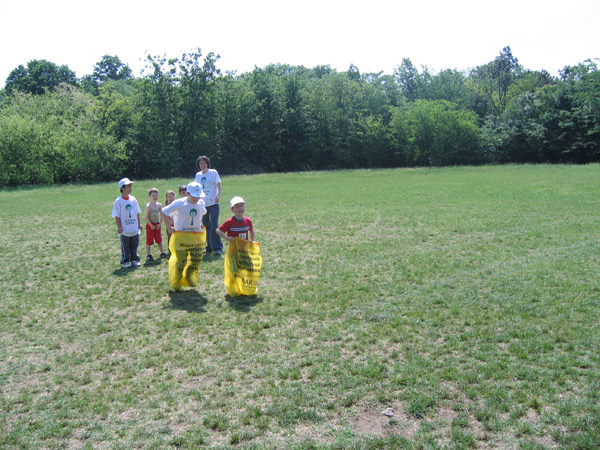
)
(128, 208)
(203, 182)
(193, 213)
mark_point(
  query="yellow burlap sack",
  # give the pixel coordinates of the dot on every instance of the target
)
(243, 263)
(186, 255)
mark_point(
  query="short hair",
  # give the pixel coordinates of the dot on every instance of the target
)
(203, 158)
(151, 190)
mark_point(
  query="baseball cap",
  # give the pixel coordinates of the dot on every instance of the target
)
(124, 181)
(194, 189)
(182, 187)
(235, 200)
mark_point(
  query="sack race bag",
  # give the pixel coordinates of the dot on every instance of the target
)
(243, 263)
(186, 255)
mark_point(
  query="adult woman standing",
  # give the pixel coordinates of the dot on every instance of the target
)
(211, 185)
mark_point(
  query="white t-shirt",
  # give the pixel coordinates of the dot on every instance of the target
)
(209, 182)
(127, 211)
(186, 216)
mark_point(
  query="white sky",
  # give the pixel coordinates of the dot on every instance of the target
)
(374, 35)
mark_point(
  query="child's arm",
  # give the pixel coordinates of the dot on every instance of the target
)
(252, 234)
(218, 197)
(139, 222)
(167, 222)
(119, 227)
(147, 218)
(224, 236)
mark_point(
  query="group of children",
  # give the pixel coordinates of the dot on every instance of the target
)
(181, 215)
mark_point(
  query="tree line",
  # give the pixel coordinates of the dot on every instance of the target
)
(56, 128)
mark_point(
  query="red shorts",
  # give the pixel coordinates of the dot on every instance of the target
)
(153, 235)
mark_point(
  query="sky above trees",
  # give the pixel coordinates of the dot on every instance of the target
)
(374, 36)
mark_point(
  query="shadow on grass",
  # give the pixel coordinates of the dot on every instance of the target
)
(190, 301)
(156, 262)
(121, 272)
(210, 258)
(243, 303)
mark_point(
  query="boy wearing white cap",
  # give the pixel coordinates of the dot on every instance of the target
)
(188, 239)
(126, 212)
(238, 225)
(187, 212)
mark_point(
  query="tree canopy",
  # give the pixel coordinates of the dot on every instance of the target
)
(56, 128)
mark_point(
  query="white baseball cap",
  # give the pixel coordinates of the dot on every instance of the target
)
(235, 200)
(124, 181)
(194, 189)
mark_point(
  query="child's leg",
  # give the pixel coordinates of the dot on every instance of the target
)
(133, 246)
(149, 239)
(124, 249)
(158, 240)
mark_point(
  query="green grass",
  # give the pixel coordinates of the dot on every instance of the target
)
(466, 299)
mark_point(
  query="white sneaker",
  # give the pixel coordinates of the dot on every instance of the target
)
(126, 265)
(136, 263)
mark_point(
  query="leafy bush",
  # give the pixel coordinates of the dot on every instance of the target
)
(55, 138)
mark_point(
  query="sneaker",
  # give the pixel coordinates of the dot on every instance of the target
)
(163, 255)
(136, 264)
(126, 265)
(149, 258)
(218, 252)
(204, 251)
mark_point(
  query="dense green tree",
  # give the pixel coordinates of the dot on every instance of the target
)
(39, 77)
(450, 85)
(494, 80)
(109, 68)
(266, 151)
(56, 138)
(572, 123)
(413, 84)
(235, 114)
(439, 133)
(176, 121)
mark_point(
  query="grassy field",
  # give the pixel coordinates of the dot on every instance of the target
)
(465, 299)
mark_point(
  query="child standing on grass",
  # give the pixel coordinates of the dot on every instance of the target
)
(126, 212)
(243, 261)
(238, 225)
(188, 238)
(153, 224)
(169, 198)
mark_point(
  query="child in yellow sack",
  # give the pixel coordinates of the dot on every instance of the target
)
(243, 261)
(188, 237)
(238, 225)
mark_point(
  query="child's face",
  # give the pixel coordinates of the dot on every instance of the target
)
(126, 190)
(239, 209)
(154, 196)
(193, 199)
(182, 193)
(171, 197)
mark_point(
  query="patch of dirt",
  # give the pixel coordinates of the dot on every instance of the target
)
(372, 421)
